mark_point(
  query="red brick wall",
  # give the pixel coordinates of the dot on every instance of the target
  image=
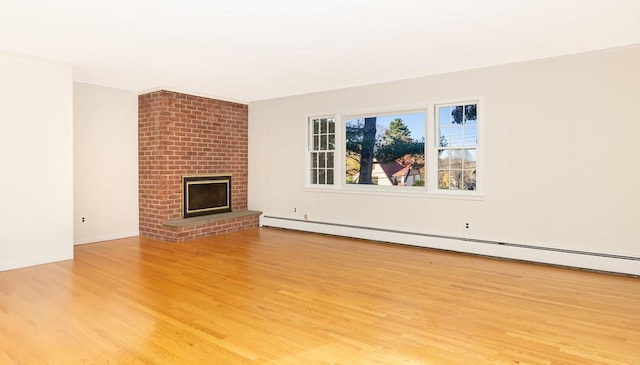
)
(180, 134)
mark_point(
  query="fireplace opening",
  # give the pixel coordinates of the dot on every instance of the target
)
(205, 195)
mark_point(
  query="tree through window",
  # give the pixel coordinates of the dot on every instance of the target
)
(389, 150)
(385, 150)
(457, 127)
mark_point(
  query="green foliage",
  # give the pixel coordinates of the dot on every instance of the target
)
(398, 131)
(354, 136)
(398, 148)
(461, 114)
(397, 143)
(363, 145)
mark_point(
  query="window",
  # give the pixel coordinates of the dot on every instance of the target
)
(457, 127)
(385, 150)
(432, 149)
(322, 141)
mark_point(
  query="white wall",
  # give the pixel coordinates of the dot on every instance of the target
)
(36, 160)
(560, 150)
(105, 163)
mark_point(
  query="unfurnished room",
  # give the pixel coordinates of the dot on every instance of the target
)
(329, 182)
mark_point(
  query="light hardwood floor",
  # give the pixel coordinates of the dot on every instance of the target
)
(270, 296)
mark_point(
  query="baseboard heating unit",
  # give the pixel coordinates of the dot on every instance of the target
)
(622, 264)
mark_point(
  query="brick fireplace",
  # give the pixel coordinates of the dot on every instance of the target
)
(180, 135)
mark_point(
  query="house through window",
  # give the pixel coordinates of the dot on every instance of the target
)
(386, 150)
(433, 150)
(457, 127)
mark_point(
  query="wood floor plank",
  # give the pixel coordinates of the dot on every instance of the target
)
(271, 296)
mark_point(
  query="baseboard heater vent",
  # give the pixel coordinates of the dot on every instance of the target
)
(559, 256)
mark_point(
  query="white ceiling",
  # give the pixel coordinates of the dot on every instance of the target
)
(247, 50)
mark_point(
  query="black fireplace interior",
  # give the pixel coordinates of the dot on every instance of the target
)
(205, 195)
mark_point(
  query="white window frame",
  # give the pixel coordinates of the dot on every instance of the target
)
(378, 189)
(435, 146)
(430, 189)
(309, 151)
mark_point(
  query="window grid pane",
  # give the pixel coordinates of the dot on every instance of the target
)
(457, 169)
(457, 127)
(322, 144)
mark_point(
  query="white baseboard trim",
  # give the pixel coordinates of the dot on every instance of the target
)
(578, 259)
(108, 237)
(33, 261)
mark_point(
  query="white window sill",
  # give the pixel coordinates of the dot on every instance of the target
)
(415, 192)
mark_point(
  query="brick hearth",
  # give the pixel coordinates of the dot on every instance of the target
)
(180, 134)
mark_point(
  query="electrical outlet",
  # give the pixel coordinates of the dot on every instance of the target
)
(295, 210)
(466, 225)
(82, 219)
